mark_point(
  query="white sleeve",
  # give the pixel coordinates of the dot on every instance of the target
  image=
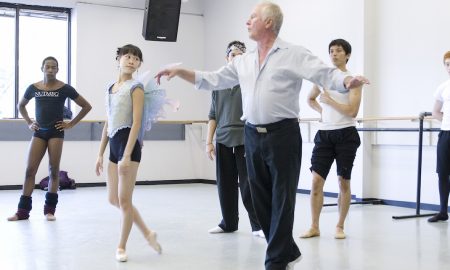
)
(224, 78)
(313, 69)
(438, 93)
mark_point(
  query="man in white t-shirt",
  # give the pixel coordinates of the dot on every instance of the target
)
(337, 139)
(441, 112)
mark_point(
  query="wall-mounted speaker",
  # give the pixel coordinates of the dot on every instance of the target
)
(161, 19)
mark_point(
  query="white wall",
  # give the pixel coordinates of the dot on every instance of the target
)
(404, 49)
(102, 29)
(407, 46)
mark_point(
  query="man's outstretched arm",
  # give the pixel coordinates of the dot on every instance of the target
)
(185, 74)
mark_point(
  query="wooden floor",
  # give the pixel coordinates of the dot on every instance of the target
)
(86, 232)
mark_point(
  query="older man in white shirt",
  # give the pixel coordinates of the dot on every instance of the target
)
(271, 77)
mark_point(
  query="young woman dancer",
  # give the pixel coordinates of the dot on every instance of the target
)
(48, 128)
(124, 130)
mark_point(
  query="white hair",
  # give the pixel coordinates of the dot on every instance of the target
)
(270, 10)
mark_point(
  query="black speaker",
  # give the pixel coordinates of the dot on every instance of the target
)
(161, 19)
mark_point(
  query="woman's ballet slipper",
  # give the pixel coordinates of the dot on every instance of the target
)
(339, 234)
(310, 233)
(151, 239)
(121, 255)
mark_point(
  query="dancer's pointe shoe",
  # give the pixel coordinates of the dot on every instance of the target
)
(151, 239)
(121, 255)
(50, 217)
(339, 234)
(310, 233)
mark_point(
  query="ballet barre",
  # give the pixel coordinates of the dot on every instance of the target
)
(421, 129)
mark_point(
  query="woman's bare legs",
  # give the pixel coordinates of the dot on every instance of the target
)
(120, 192)
(36, 152)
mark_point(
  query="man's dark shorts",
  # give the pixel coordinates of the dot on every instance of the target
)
(339, 145)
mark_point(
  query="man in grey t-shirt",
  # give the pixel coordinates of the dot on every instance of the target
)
(224, 121)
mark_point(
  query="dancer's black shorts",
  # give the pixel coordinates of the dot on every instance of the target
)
(48, 133)
(339, 144)
(117, 146)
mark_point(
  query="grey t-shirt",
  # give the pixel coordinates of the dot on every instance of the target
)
(226, 109)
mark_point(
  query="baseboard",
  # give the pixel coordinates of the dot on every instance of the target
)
(404, 204)
(423, 206)
(155, 182)
(182, 181)
(325, 193)
(145, 182)
(13, 187)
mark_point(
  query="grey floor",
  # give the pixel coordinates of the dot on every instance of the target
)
(85, 235)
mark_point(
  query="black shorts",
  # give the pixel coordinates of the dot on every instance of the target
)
(339, 145)
(443, 153)
(48, 133)
(117, 146)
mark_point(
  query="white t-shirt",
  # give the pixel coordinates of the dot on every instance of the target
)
(443, 94)
(333, 119)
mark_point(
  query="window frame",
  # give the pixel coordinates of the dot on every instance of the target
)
(19, 7)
